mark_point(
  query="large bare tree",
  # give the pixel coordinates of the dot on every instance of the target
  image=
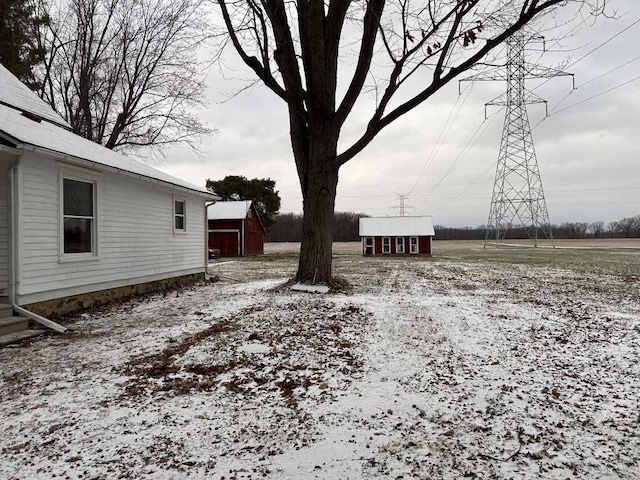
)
(124, 73)
(319, 56)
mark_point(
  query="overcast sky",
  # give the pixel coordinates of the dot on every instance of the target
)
(588, 153)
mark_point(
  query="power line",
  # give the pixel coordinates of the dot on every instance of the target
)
(598, 95)
(470, 143)
(594, 50)
(440, 140)
(591, 81)
(611, 189)
(565, 203)
(552, 113)
(473, 140)
(466, 187)
(608, 72)
(603, 43)
(446, 128)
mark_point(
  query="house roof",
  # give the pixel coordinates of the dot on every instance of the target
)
(53, 138)
(18, 96)
(52, 135)
(229, 210)
(396, 226)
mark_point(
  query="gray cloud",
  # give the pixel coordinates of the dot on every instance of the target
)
(589, 154)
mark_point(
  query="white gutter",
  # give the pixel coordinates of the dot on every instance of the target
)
(206, 235)
(37, 318)
(11, 150)
(14, 229)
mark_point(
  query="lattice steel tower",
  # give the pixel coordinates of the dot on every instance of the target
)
(518, 197)
(402, 207)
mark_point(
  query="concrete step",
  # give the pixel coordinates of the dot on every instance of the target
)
(6, 310)
(17, 337)
(13, 324)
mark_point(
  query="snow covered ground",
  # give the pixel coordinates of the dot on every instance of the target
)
(470, 364)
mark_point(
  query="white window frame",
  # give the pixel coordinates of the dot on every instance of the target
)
(416, 245)
(369, 242)
(183, 214)
(388, 250)
(400, 245)
(78, 174)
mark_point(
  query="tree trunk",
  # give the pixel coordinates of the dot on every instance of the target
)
(319, 182)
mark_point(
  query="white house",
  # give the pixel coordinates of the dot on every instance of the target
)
(80, 224)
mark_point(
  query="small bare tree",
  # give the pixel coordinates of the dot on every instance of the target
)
(320, 56)
(597, 229)
(627, 226)
(124, 73)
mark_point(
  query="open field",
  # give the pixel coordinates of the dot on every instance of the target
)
(447, 246)
(509, 363)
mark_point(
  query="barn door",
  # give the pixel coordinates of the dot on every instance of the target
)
(227, 241)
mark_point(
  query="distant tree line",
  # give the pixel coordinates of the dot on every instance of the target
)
(287, 227)
(627, 227)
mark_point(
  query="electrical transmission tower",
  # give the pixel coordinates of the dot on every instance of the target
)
(402, 207)
(518, 198)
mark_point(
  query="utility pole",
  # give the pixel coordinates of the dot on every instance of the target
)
(518, 197)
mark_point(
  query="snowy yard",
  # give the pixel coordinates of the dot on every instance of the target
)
(479, 364)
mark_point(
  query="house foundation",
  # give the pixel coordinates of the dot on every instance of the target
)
(65, 305)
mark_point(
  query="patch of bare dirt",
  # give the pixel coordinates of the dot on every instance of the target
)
(257, 352)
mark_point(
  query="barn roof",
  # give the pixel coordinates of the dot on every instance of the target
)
(229, 210)
(52, 135)
(396, 226)
(17, 95)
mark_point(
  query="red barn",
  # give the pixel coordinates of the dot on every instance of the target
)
(235, 229)
(396, 235)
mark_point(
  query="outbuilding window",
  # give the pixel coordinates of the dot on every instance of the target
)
(414, 245)
(179, 215)
(369, 248)
(386, 245)
(399, 244)
(78, 218)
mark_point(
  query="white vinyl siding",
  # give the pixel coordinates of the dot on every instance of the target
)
(135, 229)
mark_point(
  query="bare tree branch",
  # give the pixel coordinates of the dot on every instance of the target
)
(111, 60)
(407, 49)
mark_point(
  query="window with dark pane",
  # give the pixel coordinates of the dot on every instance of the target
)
(78, 198)
(78, 216)
(179, 214)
